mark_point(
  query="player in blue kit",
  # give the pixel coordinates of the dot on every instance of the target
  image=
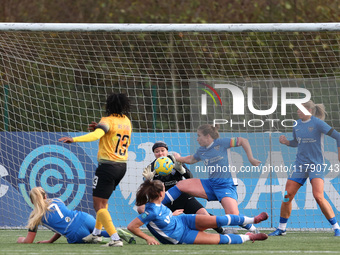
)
(308, 137)
(180, 171)
(177, 228)
(220, 186)
(53, 214)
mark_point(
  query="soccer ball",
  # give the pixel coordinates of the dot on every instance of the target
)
(163, 166)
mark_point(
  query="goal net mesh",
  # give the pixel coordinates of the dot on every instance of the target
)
(54, 84)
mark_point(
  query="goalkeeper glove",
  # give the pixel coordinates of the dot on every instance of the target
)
(178, 166)
(147, 173)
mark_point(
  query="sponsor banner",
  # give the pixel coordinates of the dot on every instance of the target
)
(30, 159)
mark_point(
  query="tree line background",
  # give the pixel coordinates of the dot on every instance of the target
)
(171, 11)
(59, 81)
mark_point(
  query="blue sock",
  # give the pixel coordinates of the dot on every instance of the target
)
(230, 239)
(224, 239)
(229, 219)
(283, 220)
(283, 223)
(171, 195)
(332, 221)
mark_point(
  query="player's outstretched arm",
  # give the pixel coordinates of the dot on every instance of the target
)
(246, 147)
(134, 227)
(66, 140)
(188, 159)
(28, 239)
(54, 238)
(90, 137)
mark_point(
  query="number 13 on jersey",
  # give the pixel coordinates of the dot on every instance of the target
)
(122, 143)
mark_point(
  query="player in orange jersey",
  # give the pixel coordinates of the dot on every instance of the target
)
(114, 132)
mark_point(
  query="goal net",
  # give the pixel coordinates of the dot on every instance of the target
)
(246, 78)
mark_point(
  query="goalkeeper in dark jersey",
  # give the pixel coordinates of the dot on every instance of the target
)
(189, 204)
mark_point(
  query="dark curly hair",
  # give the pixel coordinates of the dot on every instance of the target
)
(117, 104)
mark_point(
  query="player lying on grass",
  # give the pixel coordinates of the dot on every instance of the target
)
(53, 214)
(177, 228)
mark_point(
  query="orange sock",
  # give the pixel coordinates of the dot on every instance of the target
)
(99, 225)
(104, 217)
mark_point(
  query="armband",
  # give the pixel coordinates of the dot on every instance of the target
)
(293, 143)
(35, 229)
(336, 135)
(234, 142)
(103, 126)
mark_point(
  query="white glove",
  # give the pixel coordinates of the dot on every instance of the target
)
(178, 166)
(147, 174)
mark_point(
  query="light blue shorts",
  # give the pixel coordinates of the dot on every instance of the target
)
(185, 232)
(300, 175)
(190, 233)
(216, 189)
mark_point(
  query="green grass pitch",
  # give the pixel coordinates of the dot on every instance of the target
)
(292, 243)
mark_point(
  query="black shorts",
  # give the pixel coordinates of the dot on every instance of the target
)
(186, 202)
(107, 178)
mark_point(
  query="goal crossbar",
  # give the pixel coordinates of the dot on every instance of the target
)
(226, 27)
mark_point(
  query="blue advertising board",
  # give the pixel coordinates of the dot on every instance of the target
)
(30, 159)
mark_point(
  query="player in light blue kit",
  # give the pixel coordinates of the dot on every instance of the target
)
(220, 186)
(53, 214)
(308, 136)
(177, 228)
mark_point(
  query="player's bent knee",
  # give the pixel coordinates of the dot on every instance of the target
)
(288, 197)
(202, 211)
(319, 198)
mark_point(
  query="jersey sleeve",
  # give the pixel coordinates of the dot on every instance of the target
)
(90, 137)
(104, 125)
(323, 127)
(197, 156)
(227, 142)
(146, 217)
(294, 142)
(336, 135)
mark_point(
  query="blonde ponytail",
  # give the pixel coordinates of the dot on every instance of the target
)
(318, 110)
(41, 204)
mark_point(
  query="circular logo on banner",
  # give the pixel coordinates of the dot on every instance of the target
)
(57, 170)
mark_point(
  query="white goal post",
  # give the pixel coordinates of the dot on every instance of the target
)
(54, 79)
